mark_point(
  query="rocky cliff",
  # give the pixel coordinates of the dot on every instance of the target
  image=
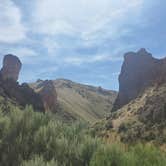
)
(20, 95)
(139, 71)
(141, 103)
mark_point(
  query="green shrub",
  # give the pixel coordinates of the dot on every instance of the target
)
(25, 134)
(30, 138)
(147, 155)
(108, 156)
(39, 161)
(138, 155)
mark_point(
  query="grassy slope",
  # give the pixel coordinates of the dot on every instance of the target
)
(82, 101)
(143, 118)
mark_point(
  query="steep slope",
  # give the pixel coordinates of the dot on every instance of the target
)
(143, 118)
(79, 101)
(141, 100)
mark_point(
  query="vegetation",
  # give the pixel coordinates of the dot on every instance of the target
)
(141, 120)
(29, 138)
(78, 101)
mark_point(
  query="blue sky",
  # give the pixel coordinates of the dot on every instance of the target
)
(80, 40)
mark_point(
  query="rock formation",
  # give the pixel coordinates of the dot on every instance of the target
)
(44, 100)
(11, 67)
(48, 95)
(139, 71)
(72, 101)
(21, 95)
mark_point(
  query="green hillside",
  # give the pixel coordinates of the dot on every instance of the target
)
(80, 101)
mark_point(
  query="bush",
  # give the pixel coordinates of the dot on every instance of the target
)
(147, 155)
(138, 155)
(30, 138)
(108, 156)
(25, 134)
(39, 161)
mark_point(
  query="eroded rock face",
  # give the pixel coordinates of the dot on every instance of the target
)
(21, 95)
(47, 91)
(11, 67)
(139, 71)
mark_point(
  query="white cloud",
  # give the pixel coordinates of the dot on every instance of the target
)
(78, 60)
(83, 23)
(85, 18)
(11, 28)
(25, 54)
(51, 69)
(22, 52)
(51, 45)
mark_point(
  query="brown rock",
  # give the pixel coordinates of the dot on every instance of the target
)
(21, 95)
(48, 95)
(139, 71)
(11, 67)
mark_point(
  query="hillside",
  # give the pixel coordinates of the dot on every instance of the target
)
(141, 100)
(30, 138)
(70, 101)
(78, 101)
(142, 119)
(137, 118)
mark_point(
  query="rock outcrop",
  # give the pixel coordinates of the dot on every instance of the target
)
(139, 71)
(143, 119)
(21, 95)
(47, 91)
(72, 101)
(11, 67)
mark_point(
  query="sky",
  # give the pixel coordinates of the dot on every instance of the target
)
(80, 40)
